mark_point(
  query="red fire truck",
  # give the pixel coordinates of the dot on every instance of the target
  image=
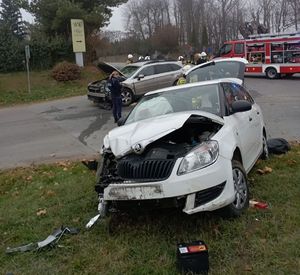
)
(272, 54)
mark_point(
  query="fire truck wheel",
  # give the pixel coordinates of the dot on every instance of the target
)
(271, 73)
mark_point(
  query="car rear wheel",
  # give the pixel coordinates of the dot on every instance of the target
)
(241, 190)
(271, 73)
(127, 97)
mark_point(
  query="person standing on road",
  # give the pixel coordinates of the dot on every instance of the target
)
(115, 89)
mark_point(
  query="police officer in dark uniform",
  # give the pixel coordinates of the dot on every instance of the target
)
(115, 89)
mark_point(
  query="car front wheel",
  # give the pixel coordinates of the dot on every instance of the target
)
(127, 97)
(241, 190)
(265, 152)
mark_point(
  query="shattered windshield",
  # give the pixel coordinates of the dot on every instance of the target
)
(128, 71)
(217, 70)
(203, 98)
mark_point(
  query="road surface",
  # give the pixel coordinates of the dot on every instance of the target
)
(73, 128)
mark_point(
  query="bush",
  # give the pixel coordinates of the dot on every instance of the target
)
(65, 71)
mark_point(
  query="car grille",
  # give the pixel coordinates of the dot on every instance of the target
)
(150, 170)
(94, 89)
(209, 194)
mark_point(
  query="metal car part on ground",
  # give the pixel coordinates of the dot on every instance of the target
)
(50, 241)
(189, 146)
(139, 78)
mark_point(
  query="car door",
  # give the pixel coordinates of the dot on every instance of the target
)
(166, 75)
(257, 122)
(243, 124)
(217, 69)
(144, 80)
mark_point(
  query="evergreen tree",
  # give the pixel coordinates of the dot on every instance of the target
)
(11, 19)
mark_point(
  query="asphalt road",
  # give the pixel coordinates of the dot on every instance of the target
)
(73, 128)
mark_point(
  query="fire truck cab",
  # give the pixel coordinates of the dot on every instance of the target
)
(271, 54)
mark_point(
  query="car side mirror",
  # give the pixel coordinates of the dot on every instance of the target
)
(241, 106)
(121, 121)
(140, 76)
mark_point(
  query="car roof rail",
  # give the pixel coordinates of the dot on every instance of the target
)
(159, 60)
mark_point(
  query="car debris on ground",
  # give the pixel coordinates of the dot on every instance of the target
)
(50, 241)
(258, 204)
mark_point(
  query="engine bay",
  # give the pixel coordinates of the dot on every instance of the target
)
(158, 159)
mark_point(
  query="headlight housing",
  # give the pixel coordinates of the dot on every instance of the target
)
(202, 156)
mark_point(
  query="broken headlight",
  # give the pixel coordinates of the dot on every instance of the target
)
(202, 156)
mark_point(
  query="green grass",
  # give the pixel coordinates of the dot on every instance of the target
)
(13, 86)
(259, 242)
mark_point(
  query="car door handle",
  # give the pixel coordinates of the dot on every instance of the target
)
(250, 118)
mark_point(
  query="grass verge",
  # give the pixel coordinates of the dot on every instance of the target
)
(259, 242)
(13, 86)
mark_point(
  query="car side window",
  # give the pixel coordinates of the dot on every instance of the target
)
(239, 48)
(234, 92)
(246, 95)
(226, 49)
(162, 68)
(147, 71)
(241, 93)
(175, 67)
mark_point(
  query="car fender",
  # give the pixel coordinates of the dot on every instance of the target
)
(129, 86)
(228, 140)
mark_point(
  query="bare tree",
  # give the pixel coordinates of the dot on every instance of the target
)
(295, 7)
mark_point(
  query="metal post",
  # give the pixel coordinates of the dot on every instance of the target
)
(27, 56)
(79, 59)
(28, 78)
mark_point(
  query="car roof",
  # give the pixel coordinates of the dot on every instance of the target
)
(143, 63)
(196, 84)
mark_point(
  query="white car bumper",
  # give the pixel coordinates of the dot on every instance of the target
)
(215, 182)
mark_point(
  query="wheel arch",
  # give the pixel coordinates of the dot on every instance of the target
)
(264, 132)
(271, 67)
(237, 155)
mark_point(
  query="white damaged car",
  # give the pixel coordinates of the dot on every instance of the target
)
(188, 146)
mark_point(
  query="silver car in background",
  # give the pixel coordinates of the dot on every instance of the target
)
(139, 78)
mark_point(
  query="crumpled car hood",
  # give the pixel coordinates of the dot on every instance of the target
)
(122, 140)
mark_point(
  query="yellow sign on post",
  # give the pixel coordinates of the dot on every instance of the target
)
(78, 39)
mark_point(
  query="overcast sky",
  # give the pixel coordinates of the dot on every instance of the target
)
(116, 21)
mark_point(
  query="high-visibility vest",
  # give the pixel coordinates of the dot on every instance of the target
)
(181, 81)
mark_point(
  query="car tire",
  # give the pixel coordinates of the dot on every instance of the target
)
(271, 73)
(127, 97)
(265, 153)
(241, 189)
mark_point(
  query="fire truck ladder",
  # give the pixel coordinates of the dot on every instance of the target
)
(274, 35)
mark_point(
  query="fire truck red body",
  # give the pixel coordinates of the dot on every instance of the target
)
(273, 55)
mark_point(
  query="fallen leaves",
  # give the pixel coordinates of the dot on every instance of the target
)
(50, 193)
(265, 170)
(247, 268)
(291, 162)
(41, 212)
